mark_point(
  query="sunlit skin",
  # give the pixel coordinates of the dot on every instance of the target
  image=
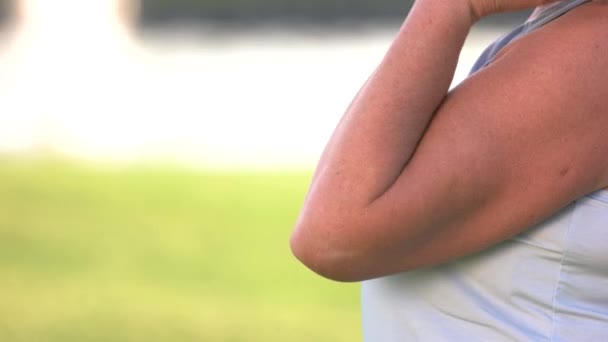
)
(414, 176)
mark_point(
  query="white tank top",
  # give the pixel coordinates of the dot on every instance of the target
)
(547, 284)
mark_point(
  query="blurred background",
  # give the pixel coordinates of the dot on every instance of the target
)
(154, 155)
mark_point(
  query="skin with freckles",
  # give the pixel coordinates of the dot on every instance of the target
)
(414, 176)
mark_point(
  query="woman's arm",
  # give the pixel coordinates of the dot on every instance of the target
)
(412, 178)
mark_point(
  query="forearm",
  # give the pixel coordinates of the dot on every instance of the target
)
(392, 187)
(380, 131)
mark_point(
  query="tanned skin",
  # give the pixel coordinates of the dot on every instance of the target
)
(414, 176)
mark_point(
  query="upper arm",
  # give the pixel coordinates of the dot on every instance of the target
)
(510, 146)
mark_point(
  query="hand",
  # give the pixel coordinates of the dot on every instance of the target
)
(482, 8)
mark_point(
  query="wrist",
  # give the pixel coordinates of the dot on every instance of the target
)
(451, 10)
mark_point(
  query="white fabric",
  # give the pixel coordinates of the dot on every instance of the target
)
(547, 284)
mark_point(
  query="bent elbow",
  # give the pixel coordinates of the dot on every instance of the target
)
(322, 260)
(327, 253)
(351, 250)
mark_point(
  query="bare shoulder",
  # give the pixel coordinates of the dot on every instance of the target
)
(553, 80)
(577, 36)
(566, 63)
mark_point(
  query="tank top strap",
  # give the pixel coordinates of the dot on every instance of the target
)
(550, 13)
(545, 16)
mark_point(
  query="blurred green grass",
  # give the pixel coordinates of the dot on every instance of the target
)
(143, 253)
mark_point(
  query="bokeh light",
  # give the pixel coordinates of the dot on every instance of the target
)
(154, 156)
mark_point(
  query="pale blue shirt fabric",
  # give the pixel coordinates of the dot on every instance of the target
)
(547, 284)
